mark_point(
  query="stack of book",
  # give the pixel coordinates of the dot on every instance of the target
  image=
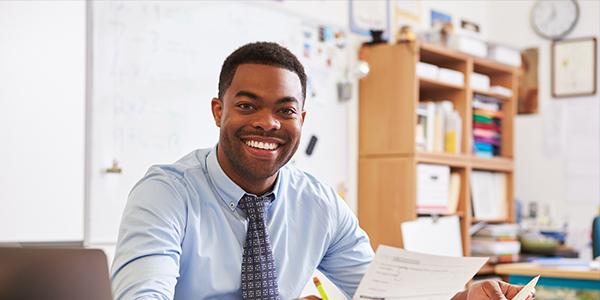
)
(439, 127)
(498, 241)
(487, 121)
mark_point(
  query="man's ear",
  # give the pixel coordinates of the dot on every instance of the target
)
(302, 117)
(217, 110)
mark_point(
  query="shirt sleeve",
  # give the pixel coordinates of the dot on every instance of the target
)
(146, 264)
(350, 253)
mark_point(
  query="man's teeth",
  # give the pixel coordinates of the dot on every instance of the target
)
(261, 145)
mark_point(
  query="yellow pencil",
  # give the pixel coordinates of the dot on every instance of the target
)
(320, 288)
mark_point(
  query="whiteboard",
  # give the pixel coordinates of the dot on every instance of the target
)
(155, 68)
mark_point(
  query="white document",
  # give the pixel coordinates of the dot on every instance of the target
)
(399, 274)
(526, 290)
(439, 236)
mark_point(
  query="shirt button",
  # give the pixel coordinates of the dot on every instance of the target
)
(232, 205)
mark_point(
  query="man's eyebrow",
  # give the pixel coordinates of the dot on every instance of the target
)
(288, 99)
(247, 94)
(254, 96)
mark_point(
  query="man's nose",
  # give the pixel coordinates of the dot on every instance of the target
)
(267, 121)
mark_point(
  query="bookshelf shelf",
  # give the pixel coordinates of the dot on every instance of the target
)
(499, 164)
(485, 66)
(453, 160)
(395, 110)
(439, 55)
(426, 84)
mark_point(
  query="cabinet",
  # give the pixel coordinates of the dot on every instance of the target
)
(388, 152)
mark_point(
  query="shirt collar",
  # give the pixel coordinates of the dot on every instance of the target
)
(229, 191)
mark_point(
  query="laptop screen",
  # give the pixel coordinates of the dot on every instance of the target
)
(53, 273)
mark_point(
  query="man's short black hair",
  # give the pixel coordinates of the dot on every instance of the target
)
(263, 53)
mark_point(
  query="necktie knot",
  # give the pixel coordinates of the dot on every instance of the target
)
(253, 206)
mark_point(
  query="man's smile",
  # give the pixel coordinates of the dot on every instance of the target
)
(262, 145)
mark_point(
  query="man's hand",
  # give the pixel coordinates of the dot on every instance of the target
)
(495, 290)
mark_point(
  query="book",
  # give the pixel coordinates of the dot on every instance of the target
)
(499, 230)
(487, 121)
(453, 132)
(453, 192)
(421, 129)
(439, 127)
(492, 247)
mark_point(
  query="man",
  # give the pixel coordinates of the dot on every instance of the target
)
(234, 221)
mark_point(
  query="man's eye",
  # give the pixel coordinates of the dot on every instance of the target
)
(288, 111)
(245, 106)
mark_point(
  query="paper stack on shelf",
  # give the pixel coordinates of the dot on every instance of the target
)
(439, 127)
(487, 124)
(430, 71)
(451, 76)
(499, 241)
(500, 90)
(480, 82)
(426, 70)
(469, 45)
(488, 195)
(505, 55)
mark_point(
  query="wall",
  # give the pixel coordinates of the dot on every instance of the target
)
(557, 150)
(42, 93)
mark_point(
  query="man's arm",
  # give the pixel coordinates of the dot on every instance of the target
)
(350, 252)
(147, 257)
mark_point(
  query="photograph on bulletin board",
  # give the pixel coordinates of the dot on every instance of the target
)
(370, 18)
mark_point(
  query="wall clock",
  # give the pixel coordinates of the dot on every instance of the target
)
(554, 19)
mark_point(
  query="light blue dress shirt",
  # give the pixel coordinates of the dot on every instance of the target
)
(182, 235)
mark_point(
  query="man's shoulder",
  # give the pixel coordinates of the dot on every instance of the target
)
(191, 162)
(308, 184)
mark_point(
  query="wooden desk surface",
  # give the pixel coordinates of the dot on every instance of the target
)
(533, 269)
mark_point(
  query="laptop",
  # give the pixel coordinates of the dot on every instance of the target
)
(53, 274)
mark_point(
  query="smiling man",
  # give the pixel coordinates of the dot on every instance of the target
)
(234, 221)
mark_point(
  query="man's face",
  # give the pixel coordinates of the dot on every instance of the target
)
(260, 119)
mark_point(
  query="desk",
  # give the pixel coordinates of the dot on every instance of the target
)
(565, 277)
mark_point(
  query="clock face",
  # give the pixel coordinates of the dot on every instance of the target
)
(554, 19)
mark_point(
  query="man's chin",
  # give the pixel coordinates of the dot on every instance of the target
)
(261, 172)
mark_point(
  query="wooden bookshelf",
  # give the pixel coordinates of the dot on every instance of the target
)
(426, 84)
(388, 154)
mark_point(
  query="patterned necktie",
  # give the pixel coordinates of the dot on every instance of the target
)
(259, 276)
